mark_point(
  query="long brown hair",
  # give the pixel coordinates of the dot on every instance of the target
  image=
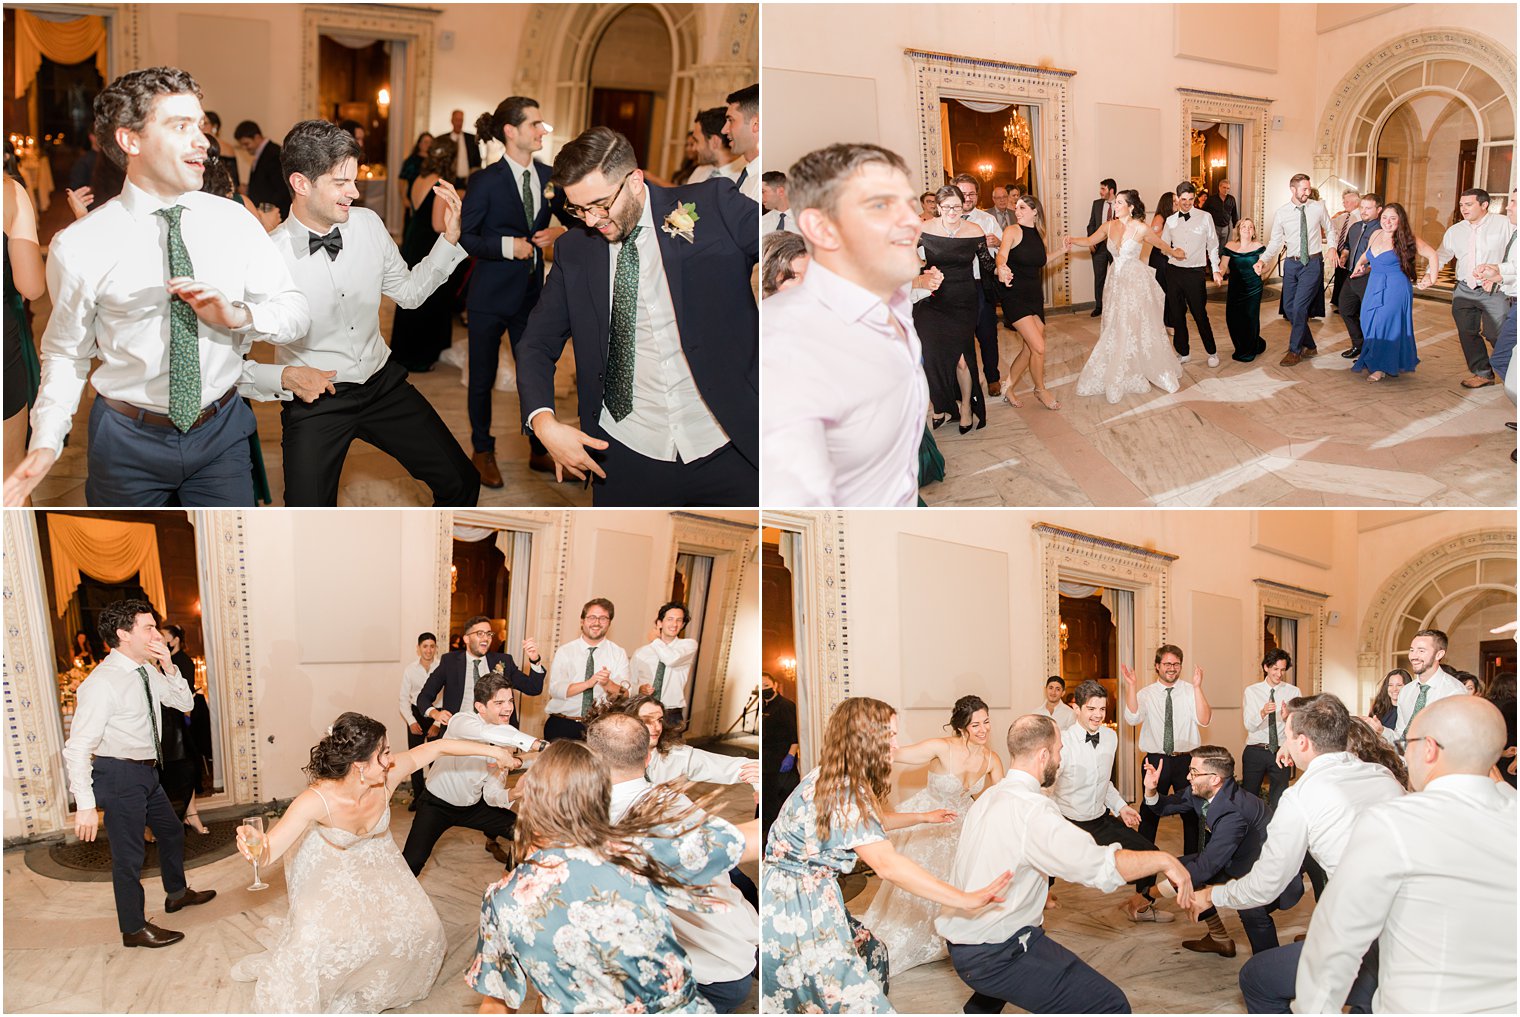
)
(1382, 701)
(563, 802)
(1403, 238)
(1371, 747)
(670, 734)
(857, 761)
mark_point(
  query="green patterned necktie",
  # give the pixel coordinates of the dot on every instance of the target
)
(588, 698)
(1168, 742)
(1303, 234)
(184, 340)
(1419, 704)
(1272, 723)
(1203, 828)
(474, 677)
(659, 678)
(158, 748)
(625, 316)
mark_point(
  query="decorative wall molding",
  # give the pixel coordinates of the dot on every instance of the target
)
(1254, 113)
(1307, 607)
(944, 75)
(33, 734)
(549, 559)
(221, 555)
(412, 25)
(731, 545)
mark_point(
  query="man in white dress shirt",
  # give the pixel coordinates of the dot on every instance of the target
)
(1430, 877)
(742, 126)
(1500, 275)
(167, 287)
(844, 394)
(1264, 707)
(1084, 792)
(1432, 682)
(1001, 951)
(721, 943)
(1170, 712)
(344, 260)
(1192, 231)
(1298, 230)
(470, 791)
(412, 679)
(1315, 816)
(1479, 238)
(1064, 716)
(661, 668)
(116, 722)
(778, 207)
(586, 671)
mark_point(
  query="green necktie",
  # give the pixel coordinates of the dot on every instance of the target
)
(1203, 828)
(158, 748)
(659, 678)
(184, 339)
(1272, 723)
(588, 698)
(1168, 742)
(1303, 234)
(528, 207)
(625, 316)
(1419, 704)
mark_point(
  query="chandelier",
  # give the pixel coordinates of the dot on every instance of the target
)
(1016, 138)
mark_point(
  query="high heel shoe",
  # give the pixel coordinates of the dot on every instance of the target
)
(193, 821)
(964, 428)
(939, 422)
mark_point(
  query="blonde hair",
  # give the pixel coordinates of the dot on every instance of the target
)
(857, 761)
(1240, 229)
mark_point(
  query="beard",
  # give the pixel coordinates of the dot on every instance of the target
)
(624, 222)
(1048, 778)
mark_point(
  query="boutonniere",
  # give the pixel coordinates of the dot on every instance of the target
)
(682, 221)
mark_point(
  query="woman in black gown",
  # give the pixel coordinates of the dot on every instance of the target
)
(1021, 269)
(946, 319)
(1165, 206)
(419, 334)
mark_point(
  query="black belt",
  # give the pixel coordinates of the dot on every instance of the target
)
(139, 762)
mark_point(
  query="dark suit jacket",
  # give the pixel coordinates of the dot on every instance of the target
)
(493, 209)
(1354, 241)
(1237, 826)
(714, 305)
(1093, 222)
(450, 676)
(266, 181)
(471, 148)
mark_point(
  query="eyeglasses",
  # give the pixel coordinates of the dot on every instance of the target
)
(596, 617)
(602, 208)
(478, 632)
(1400, 744)
(1200, 773)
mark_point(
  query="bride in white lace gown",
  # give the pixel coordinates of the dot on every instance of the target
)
(960, 767)
(361, 935)
(1133, 351)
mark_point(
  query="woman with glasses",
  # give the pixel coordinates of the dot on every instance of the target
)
(945, 312)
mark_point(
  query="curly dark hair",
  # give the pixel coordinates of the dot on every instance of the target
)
(128, 101)
(315, 147)
(352, 739)
(1382, 701)
(964, 709)
(440, 158)
(1403, 238)
(121, 614)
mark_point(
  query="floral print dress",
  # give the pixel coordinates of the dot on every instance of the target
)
(593, 937)
(818, 957)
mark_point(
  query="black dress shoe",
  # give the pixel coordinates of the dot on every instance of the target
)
(151, 936)
(1352, 353)
(190, 899)
(1097, 313)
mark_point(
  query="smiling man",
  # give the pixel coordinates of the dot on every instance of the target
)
(343, 259)
(167, 287)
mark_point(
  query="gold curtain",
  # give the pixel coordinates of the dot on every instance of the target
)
(64, 42)
(107, 550)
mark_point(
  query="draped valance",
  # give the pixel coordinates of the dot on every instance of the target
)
(107, 550)
(63, 42)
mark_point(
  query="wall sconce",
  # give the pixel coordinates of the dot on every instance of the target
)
(984, 170)
(1217, 164)
(1065, 635)
(788, 667)
(453, 578)
(383, 100)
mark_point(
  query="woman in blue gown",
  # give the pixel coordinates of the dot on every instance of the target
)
(1388, 306)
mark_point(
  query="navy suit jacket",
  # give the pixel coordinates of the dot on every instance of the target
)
(450, 676)
(1237, 826)
(709, 281)
(493, 209)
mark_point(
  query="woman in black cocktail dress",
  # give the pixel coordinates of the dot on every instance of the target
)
(945, 319)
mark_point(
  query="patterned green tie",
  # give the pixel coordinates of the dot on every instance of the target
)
(1303, 234)
(659, 678)
(1168, 743)
(588, 698)
(1203, 828)
(158, 748)
(1419, 704)
(625, 316)
(528, 208)
(184, 341)
(1272, 723)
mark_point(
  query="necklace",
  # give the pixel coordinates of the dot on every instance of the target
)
(956, 231)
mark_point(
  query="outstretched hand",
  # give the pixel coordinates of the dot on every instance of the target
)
(992, 893)
(567, 445)
(209, 303)
(1128, 674)
(1198, 677)
(1152, 776)
(27, 475)
(938, 816)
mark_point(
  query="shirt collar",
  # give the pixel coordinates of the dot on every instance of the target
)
(851, 301)
(142, 204)
(518, 169)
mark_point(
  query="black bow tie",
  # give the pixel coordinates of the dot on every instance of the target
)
(1185, 215)
(1092, 739)
(332, 243)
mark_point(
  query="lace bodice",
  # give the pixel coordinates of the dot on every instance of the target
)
(1129, 248)
(949, 787)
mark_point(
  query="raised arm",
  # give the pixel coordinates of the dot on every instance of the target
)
(1091, 241)
(904, 872)
(1200, 702)
(404, 763)
(920, 753)
(302, 812)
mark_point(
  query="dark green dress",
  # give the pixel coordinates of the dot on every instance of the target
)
(1242, 309)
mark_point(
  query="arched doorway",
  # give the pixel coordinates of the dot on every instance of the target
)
(630, 77)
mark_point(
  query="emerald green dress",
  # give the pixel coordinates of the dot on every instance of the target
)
(1242, 308)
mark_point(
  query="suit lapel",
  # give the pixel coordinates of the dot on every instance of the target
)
(671, 249)
(599, 283)
(514, 196)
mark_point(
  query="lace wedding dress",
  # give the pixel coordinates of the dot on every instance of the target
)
(905, 921)
(361, 935)
(1133, 351)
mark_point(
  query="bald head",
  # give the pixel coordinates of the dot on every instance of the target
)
(1470, 734)
(622, 742)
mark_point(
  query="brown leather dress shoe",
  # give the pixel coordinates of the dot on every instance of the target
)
(1308, 351)
(189, 900)
(151, 936)
(1208, 944)
(1291, 359)
(994, 388)
(541, 462)
(485, 465)
(1477, 381)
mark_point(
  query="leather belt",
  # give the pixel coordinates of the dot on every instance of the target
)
(139, 762)
(162, 420)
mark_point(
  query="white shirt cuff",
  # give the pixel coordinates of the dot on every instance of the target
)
(541, 409)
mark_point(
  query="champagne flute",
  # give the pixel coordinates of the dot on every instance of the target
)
(254, 838)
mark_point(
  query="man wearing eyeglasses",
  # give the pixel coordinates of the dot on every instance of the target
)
(458, 670)
(666, 334)
(1430, 877)
(586, 672)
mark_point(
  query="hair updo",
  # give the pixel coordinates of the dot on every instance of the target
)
(965, 708)
(1136, 206)
(353, 738)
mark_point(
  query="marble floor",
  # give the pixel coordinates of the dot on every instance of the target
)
(1146, 961)
(1243, 434)
(63, 953)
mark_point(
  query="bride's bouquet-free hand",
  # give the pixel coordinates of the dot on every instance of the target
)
(682, 221)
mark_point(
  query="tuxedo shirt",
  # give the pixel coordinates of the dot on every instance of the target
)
(1198, 238)
(1084, 788)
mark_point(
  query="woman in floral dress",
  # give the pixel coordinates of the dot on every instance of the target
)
(818, 957)
(583, 916)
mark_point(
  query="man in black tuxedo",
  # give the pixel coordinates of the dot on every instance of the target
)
(458, 669)
(466, 149)
(506, 226)
(1234, 828)
(266, 181)
(1369, 209)
(656, 292)
(1102, 212)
